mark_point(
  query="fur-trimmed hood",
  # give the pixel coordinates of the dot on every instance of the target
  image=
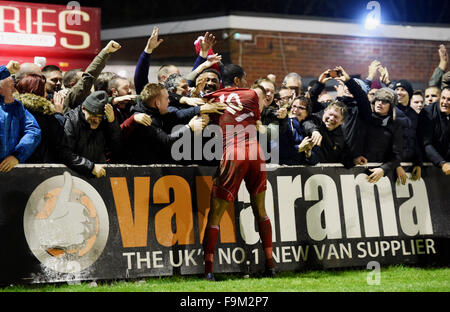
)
(36, 103)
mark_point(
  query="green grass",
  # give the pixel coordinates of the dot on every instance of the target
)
(393, 279)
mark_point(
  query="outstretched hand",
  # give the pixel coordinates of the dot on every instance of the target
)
(112, 47)
(207, 43)
(325, 76)
(13, 67)
(443, 57)
(373, 69)
(343, 76)
(153, 42)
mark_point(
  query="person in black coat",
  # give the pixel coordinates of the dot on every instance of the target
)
(409, 119)
(31, 93)
(152, 144)
(92, 130)
(434, 131)
(383, 135)
(341, 141)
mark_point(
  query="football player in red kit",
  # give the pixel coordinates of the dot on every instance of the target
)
(242, 160)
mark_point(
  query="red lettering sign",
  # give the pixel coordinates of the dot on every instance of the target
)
(65, 35)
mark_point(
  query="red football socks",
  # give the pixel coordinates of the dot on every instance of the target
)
(265, 232)
(209, 247)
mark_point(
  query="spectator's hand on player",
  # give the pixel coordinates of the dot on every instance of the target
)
(197, 123)
(192, 101)
(143, 119)
(210, 108)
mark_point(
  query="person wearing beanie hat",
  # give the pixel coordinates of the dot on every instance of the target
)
(19, 132)
(409, 120)
(92, 130)
(383, 135)
(404, 91)
(95, 102)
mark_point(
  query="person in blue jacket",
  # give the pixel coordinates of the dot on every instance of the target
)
(19, 132)
(296, 148)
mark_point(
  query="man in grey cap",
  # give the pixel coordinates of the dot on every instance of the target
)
(92, 131)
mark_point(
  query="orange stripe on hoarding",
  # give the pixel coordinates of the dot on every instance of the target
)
(134, 231)
(181, 208)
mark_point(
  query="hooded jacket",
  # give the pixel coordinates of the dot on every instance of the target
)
(383, 135)
(19, 132)
(54, 147)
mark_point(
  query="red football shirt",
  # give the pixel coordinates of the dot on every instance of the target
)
(238, 123)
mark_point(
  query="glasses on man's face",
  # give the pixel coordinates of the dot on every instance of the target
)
(299, 107)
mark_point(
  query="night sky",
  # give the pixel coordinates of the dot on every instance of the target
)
(126, 13)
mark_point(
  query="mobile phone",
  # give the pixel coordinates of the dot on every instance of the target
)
(335, 73)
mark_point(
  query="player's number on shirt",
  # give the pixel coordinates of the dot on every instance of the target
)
(234, 104)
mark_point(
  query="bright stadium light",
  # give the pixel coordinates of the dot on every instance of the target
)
(373, 19)
(371, 23)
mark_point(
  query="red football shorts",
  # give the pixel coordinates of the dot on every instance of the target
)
(235, 167)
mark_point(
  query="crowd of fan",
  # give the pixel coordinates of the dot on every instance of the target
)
(87, 119)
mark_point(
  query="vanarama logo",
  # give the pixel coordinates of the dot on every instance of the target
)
(66, 224)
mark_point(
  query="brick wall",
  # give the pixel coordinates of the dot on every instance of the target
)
(310, 54)
(307, 54)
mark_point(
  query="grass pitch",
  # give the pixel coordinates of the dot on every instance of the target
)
(391, 279)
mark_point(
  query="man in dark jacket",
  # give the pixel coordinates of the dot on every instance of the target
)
(409, 119)
(383, 135)
(90, 134)
(434, 131)
(340, 123)
(152, 144)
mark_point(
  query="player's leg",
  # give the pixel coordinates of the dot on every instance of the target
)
(265, 228)
(218, 208)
